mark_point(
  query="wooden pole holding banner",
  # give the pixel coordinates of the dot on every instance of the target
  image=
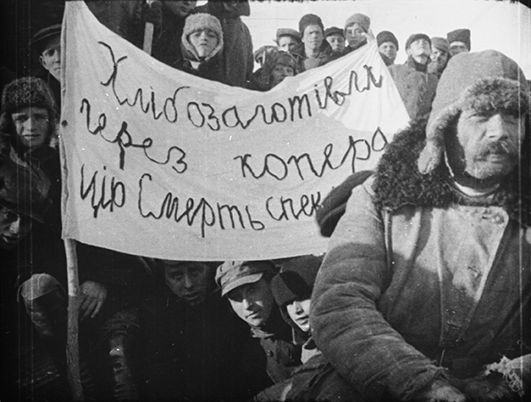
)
(72, 338)
(148, 33)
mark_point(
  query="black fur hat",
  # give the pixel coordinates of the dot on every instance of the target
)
(485, 82)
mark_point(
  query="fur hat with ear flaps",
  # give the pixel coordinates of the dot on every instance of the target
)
(485, 82)
(196, 22)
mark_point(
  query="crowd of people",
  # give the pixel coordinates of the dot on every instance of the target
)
(423, 294)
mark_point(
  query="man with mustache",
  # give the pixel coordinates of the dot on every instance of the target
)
(425, 291)
(413, 81)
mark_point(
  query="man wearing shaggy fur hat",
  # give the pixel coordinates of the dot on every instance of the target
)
(439, 56)
(387, 46)
(356, 29)
(202, 46)
(415, 85)
(459, 41)
(314, 51)
(425, 291)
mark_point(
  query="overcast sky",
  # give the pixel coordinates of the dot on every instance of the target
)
(496, 25)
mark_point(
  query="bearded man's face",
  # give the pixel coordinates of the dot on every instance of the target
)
(487, 147)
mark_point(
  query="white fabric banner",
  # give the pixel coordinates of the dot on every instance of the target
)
(160, 163)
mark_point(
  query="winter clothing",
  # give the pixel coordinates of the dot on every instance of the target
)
(194, 354)
(28, 91)
(439, 43)
(282, 356)
(416, 87)
(412, 38)
(262, 77)
(361, 19)
(309, 19)
(22, 190)
(386, 36)
(232, 274)
(295, 279)
(483, 81)
(333, 31)
(287, 32)
(39, 40)
(237, 57)
(195, 22)
(413, 243)
(333, 206)
(459, 35)
(307, 63)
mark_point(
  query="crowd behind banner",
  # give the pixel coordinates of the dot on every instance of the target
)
(155, 329)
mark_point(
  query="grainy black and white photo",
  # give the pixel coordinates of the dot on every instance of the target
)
(265, 200)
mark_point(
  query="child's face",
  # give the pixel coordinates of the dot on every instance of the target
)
(204, 42)
(31, 125)
(299, 312)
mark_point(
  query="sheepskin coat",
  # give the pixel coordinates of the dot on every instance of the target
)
(421, 281)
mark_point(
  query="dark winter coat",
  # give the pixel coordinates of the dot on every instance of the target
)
(237, 62)
(420, 277)
(283, 357)
(190, 353)
(415, 86)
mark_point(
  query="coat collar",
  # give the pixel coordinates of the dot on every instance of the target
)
(398, 182)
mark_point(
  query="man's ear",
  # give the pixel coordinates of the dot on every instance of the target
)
(41, 60)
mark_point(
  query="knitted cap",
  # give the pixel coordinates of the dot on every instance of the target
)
(23, 190)
(309, 19)
(288, 32)
(334, 31)
(459, 35)
(27, 91)
(386, 36)
(233, 274)
(439, 43)
(361, 19)
(417, 36)
(486, 82)
(196, 22)
(295, 279)
(333, 206)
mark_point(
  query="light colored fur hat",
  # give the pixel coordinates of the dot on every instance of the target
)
(485, 81)
(195, 22)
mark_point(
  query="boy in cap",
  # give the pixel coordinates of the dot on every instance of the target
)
(287, 39)
(356, 29)
(202, 47)
(415, 85)
(387, 46)
(314, 50)
(442, 230)
(459, 41)
(439, 56)
(246, 285)
(46, 45)
(336, 39)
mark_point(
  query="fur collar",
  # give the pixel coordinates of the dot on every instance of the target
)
(398, 182)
